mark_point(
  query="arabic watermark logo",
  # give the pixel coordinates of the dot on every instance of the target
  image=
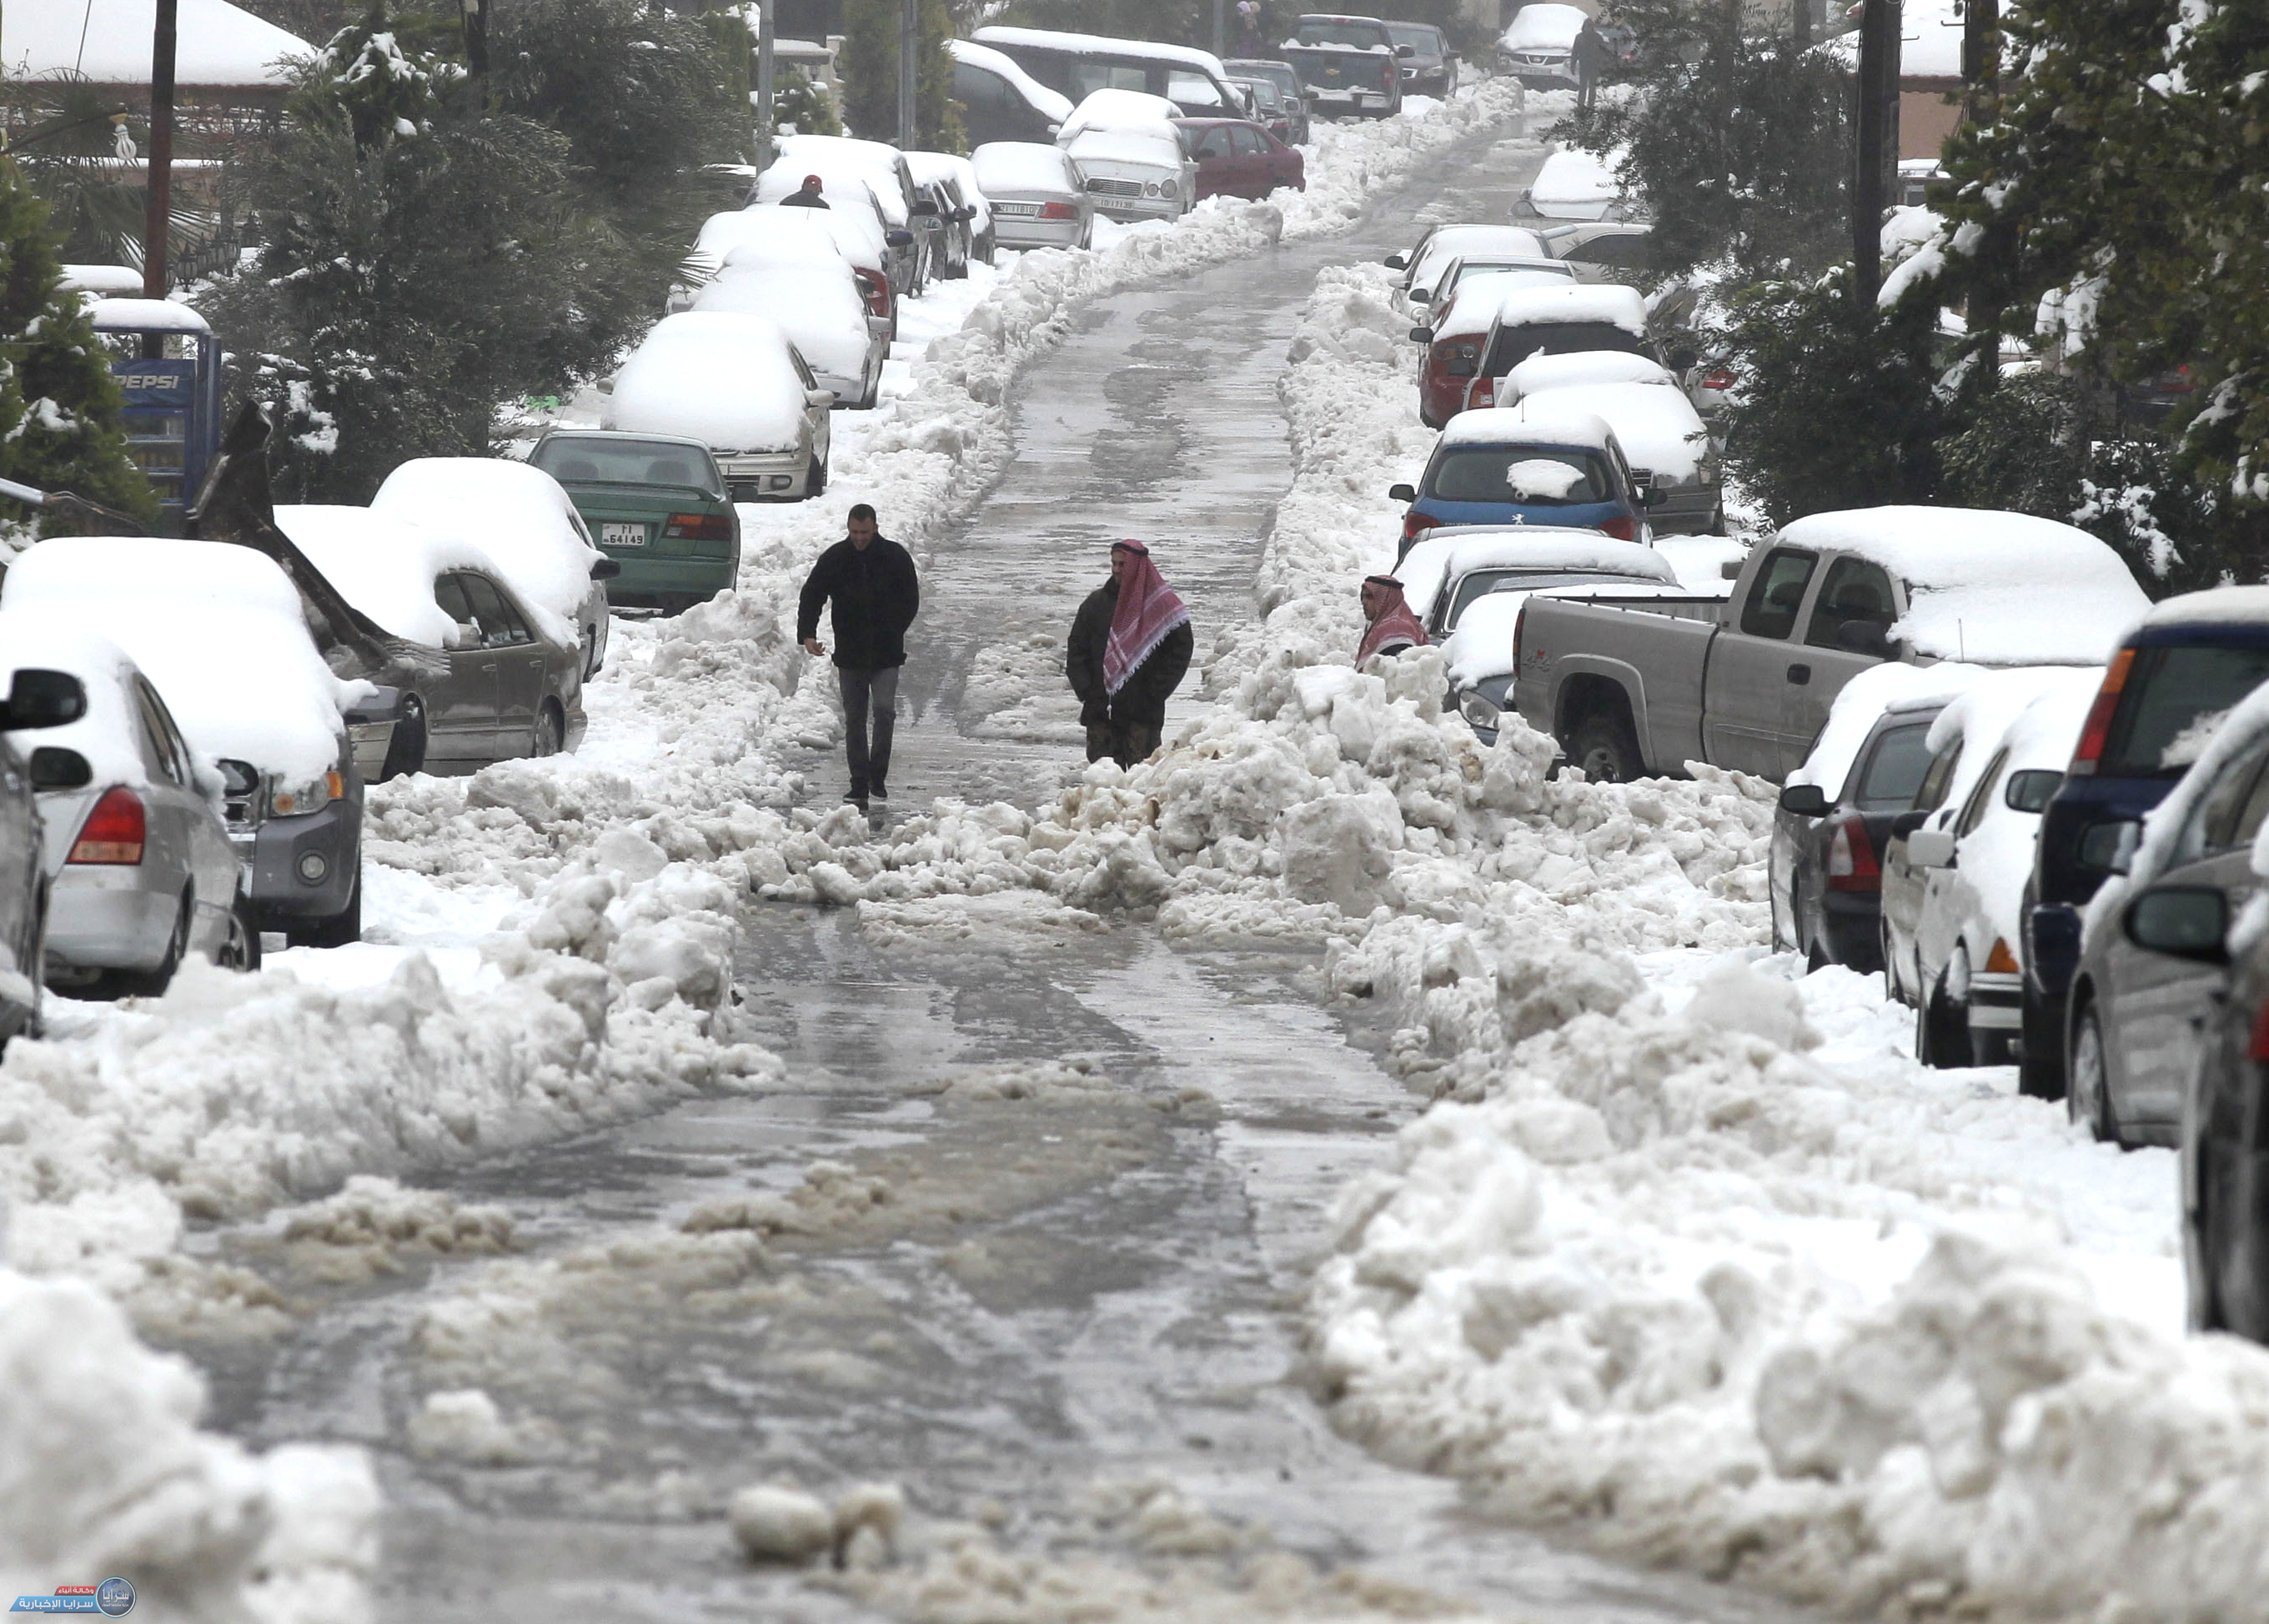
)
(112, 1598)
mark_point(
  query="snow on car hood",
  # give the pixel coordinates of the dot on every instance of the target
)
(1540, 372)
(384, 564)
(1131, 110)
(515, 514)
(1864, 698)
(771, 232)
(1998, 588)
(820, 312)
(217, 629)
(721, 378)
(1126, 146)
(1005, 168)
(1544, 28)
(1572, 176)
(1657, 427)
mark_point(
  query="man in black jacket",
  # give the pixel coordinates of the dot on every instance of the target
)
(806, 196)
(871, 582)
(1129, 649)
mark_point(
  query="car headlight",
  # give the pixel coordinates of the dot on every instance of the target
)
(1476, 708)
(295, 799)
(1149, 189)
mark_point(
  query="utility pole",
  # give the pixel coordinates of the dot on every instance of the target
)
(909, 47)
(767, 119)
(1220, 28)
(1799, 17)
(1876, 158)
(158, 211)
(1981, 57)
(476, 37)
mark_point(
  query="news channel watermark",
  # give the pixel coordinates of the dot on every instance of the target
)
(112, 1598)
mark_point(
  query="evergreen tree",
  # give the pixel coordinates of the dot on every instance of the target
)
(870, 68)
(59, 403)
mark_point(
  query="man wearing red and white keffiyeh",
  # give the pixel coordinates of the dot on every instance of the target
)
(1129, 649)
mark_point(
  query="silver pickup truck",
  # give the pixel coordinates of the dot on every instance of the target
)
(1636, 686)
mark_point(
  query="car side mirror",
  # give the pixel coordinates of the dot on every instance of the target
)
(1931, 848)
(54, 767)
(966, 212)
(900, 238)
(2182, 921)
(2109, 846)
(2032, 788)
(1421, 296)
(1422, 335)
(1404, 50)
(1865, 637)
(464, 634)
(1804, 801)
(1395, 262)
(1655, 496)
(607, 569)
(1402, 493)
(384, 705)
(39, 699)
(1731, 570)
(237, 777)
(925, 210)
(819, 397)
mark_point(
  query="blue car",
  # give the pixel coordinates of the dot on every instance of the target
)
(2168, 685)
(1527, 465)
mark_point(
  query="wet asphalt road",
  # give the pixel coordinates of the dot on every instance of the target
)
(999, 1303)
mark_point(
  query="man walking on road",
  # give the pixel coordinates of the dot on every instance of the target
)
(869, 580)
(1130, 646)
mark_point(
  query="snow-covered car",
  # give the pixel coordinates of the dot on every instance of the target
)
(1565, 320)
(958, 179)
(2156, 941)
(1269, 109)
(1130, 155)
(1602, 250)
(859, 176)
(769, 234)
(37, 700)
(1954, 885)
(1511, 465)
(499, 680)
(1665, 439)
(1467, 586)
(526, 526)
(1038, 198)
(1000, 101)
(1429, 67)
(219, 630)
(817, 305)
(1539, 273)
(1539, 47)
(1423, 264)
(1576, 185)
(138, 865)
(1454, 329)
(736, 383)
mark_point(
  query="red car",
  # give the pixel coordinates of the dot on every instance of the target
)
(1240, 160)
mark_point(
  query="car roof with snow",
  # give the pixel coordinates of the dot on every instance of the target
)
(2215, 606)
(1111, 109)
(384, 566)
(219, 630)
(1656, 426)
(518, 515)
(721, 377)
(1519, 425)
(1442, 554)
(1050, 102)
(1611, 304)
(1888, 687)
(1998, 589)
(1099, 45)
(1561, 371)
(1572, 176)
(769, 231)
(1444, 243)
(845, 180)
(1006, 166)
(1473, 303)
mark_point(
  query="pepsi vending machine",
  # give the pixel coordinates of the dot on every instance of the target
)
(168, 364)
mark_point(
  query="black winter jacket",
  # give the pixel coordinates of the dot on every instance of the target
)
(876, 593)
(1143, 699)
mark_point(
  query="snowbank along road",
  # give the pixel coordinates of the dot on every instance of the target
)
(1004, 1141)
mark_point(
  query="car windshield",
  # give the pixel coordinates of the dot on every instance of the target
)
(1516, 345)
(1526, 475)
(1419, 40)
(2168, 694)
(1893, 772)
(1346, 36)
(576, 460)
(1481, 583)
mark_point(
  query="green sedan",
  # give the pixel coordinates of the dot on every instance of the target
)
(657, 506)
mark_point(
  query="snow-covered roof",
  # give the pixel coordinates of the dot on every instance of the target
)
(1866, 698)
(1048, 102)
(1657, 427)
(1445, 554)
(2001, 589)
(1448, 243)
(1131, 110)
(1473, 303)
(1008, 168)
(217, 629)
(103, 281)
(37, 640)
(108, 40)
(1517, 425)
(383, 564)
(1099, 45)
(515, 514)
(1610, 303)
(1573, 182)
(723, 378)
(145, 315)
(2216, 606)
(818, 307)
(1541, 28)
(772, 233)
(1559, 371)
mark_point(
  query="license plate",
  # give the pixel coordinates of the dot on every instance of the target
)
(1016, 208)
(622, 535)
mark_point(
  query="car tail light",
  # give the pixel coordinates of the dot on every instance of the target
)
(698, 528)
(1480, 392)
(876, 287)
(2098, 727)
(1058, 211)
(1390, 73)
(1852, 857)
(1414, 524)
(1622, 528)
(114, 832)
(2000, 960)
(1718, 378)
(2258, 1051)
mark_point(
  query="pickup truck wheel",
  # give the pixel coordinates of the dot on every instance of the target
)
(1605, 749)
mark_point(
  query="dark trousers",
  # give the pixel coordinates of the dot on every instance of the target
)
(1125, 745)
(870, 765)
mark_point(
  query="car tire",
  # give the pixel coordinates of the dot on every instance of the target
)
(242, 951)
(814, 482)
(590, 654)
(1606, 751)
(405, 751)
(338, 931)
(1941, 1033)
(874, 393)
(2088, 1097)
(550, 734)
(2040, 1052)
